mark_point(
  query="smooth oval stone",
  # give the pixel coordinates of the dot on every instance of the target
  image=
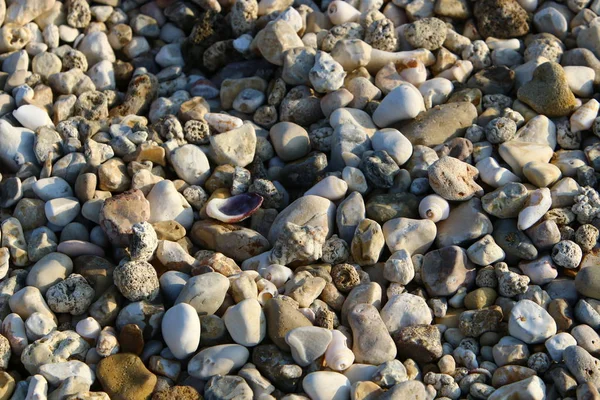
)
(218, 360)
(530, 323)
(372, 343)
(439, 124)
(50, 270)
(246, 322)
(76, 248)
(402, 103)
(394, 143)
(190, 164)
(52, 188)
(326, 385)
(204, 292)
(587, 282)
(181, 330)
(308, 343)
(172, 283)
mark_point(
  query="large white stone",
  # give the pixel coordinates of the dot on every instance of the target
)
(56, 373)
(404, 310)
(61, 211)
(246, 322)
(404, 102)
(52, 188)
(326, 385)
(394, 143)
(181, 330)
(190, 164)
(16, 146)
(32, 117)
(530, 323)
(167, 204)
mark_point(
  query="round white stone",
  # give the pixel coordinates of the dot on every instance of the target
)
(181, 330)
(326, 385)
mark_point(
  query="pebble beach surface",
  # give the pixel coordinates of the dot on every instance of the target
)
(299, 200)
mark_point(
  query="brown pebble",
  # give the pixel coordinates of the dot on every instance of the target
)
(131, 339)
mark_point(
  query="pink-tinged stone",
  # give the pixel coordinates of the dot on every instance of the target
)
(76, 248)
(119, 214)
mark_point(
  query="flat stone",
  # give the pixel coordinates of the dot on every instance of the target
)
(439, 124)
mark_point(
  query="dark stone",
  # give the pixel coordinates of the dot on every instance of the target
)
(422, 343)
(383, 207)
(379, 169)
(502, 19)
(493, 80)
(445, 270)
(277, 366)
(131, 339)
(305, 172)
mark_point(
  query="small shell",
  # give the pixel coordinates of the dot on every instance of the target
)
(277, 274)
(434, 208)
(537, 204)
(235, 208)
(222, 122)
(341, 12)
(584, 117)
(338, 356)
(266, 290)
(493, 174)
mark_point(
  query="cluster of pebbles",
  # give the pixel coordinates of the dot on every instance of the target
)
(289, 199)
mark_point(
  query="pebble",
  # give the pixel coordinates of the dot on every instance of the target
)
(161, 224)
(217, 360)
(181, 318)
(323, 385)
(124, 376)
(204, 292)
(405, 95)
(246, 322)
(308, 343)
(530, 323)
